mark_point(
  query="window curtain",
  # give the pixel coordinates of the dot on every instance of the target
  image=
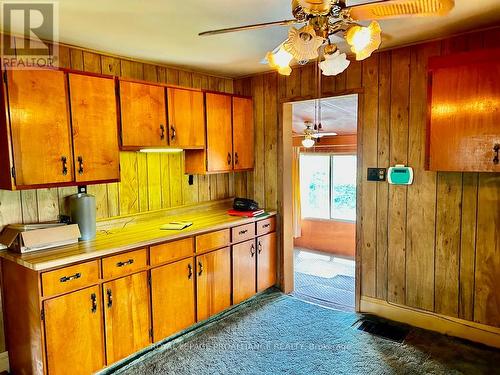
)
(296, 212)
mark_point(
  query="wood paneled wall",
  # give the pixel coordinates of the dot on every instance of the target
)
(148, 181)
(434, 245)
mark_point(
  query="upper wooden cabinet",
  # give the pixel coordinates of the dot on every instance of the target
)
(57, 128)
(186, 118)
(39, 127)
(243, 133)
(143, 115)
(95, 128)
(230, 136)
(464, 130)
(219, 133)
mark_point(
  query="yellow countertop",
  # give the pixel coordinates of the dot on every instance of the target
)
(130, 236)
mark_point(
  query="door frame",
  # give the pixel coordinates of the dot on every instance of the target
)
(285, 197)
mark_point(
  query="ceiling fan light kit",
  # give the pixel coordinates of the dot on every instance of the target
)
(364, 40)
(327, 18)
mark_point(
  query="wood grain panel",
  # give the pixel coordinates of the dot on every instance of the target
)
(421, 204)
(396, 254)
(186, 118)
(266, 261)
(243, 132)
(271, 140)
(123, 264)
(171, 251)
(244, 270)
(219, 132)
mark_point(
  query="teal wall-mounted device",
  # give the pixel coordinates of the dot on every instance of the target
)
(400, 175)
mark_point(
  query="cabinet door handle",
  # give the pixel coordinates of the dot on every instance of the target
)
(260, 247)
(266, 225)
(252, 250)
(235, 158)
(172, 136)
(109, 293)
(190, 271)
(201, 268)
(496, 148)
(80, 165)
(243, 231)
(162, 132)
(64, 161)
(228, 158)
(93, 299)
(69, 278)
(126, 263)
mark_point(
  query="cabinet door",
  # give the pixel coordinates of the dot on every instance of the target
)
(40, 127)
(465, 114)
(186, 118)
(243, 133)
(126, 314)
(172, 291)
(143, 115)
(244, 271)
(213, 283)
(74, 332)
(219, 133)
(266, 261)
(95, 128)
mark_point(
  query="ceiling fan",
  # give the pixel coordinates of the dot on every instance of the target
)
(326, 20)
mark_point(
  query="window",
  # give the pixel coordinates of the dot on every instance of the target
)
(328, 186)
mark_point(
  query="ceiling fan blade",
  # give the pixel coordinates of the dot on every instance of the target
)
(249, 27)
(401, 8)
(323, 134)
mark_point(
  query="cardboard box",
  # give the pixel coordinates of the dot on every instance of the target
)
(27, 238)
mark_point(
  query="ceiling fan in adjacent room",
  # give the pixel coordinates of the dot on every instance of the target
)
(325, 21)
(313, 133)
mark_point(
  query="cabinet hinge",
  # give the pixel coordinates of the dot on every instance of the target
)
(5, 76)
(149, 280)
(151, 333)
(42, 315)
(13, 172)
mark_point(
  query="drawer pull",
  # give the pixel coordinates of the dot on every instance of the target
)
(242, 231)
(201, 268)
(69, 278)
(190, 271)
(252, 250)
(260, 247)
(496, 149)
(162, 132)
(128, 262)
(80, 165)
(93, 298)
(109, 293)
(266, 225)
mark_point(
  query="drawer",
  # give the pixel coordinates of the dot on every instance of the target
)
(266, 226)
(70, 278)
(124, 263)
(171, 251)
(213, 240)
(243, 233)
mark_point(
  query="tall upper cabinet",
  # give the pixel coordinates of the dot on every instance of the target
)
(464, 112)
(230, 136)
(57, 129)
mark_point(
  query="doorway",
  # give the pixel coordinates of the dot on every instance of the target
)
(324, 200)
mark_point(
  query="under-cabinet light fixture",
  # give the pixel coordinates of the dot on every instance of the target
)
(169, 150)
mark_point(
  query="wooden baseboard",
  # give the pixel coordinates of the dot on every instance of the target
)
(465, 329)
(4, 362)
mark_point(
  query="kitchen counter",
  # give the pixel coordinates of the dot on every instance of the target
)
(131, 235)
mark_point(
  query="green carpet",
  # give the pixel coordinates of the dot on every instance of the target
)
(279, 334)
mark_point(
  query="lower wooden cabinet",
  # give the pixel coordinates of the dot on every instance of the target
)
(126, 314)
(244, 271)
(74, 332)
(266, 261)
(213, 281)
(172, 296)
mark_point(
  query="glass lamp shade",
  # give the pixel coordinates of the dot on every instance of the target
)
(303, 43)
(334, 63)
(364, 40)
(308, 142)
(280, 61)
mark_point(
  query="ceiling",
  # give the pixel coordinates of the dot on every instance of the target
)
(165, 31)
(338, 114)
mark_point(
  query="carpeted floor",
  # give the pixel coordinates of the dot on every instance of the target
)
(279, 334)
